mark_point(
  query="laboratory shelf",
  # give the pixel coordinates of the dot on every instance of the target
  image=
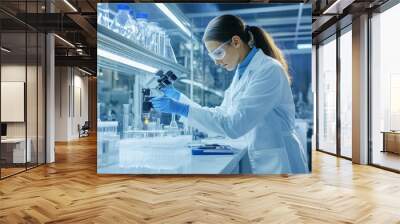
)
(116, 44)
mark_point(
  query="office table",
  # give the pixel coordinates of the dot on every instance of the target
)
(171, 155)
(391, 141)
(13, 150)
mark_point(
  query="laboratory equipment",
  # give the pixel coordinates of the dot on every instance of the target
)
(125, 119)
(163, 81)
(161, 41)
(173, 128)
(108, 143)
(198, 135)
(173, 123)
(150, 37)
(166, 79)
(132, 14)
(142, 23)
(168, 50)
(132, 35)
(154, 37)
(123, 23)
(146, 106)
(103, 15)
(212, 149)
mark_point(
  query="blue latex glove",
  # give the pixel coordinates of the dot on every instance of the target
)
(171, 92)
(168, 105)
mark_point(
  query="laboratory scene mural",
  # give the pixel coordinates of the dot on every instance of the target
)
(204, 88)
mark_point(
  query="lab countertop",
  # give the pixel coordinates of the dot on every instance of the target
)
(171, 155)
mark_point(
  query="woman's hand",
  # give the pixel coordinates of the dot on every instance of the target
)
(168, 105)
(171, 92)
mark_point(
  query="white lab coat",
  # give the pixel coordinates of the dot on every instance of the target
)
(259, 108)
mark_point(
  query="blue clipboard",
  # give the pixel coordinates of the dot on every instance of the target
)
(213, 149)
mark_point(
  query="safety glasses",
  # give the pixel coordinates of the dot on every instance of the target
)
(219, 52)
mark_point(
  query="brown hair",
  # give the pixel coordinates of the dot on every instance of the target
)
(223, 28)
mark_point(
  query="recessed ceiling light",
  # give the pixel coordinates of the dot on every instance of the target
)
(126, 61)
(84, 71)
(172, 16)
(5, 50)
(70, 5)
(304, 46)
(64, 40)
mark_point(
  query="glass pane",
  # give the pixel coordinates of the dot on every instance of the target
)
(327, 96)
(346, 94)
(31, 98)
(129, 132)
(41, 99)
(13, 87)
(31, 86)
(386, 89)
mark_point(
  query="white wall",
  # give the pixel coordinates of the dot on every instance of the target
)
(61, 103)
(314, 90)
(70, 83)
(33, 126)
(14, 73)
(79, 117)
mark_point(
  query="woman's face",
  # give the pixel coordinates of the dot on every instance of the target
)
(231, 58)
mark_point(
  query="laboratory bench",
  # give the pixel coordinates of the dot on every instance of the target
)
(171, 155)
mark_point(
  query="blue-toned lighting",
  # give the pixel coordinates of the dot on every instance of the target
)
(168, 13)
(304, 46)
(126, 61)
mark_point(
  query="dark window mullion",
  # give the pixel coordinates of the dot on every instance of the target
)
(37, 90)
(369, 100)
(26, 86)
(317, 96)
(338, 98)
(0, 94)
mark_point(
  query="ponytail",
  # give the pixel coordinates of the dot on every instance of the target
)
(266, 43)
(223, 28)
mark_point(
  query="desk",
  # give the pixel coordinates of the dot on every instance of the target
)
(170, 155)
(391, 141)
(15, 148)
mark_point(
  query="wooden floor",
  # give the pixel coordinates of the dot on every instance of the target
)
(70, 191)
(386, 159)
(10, 171)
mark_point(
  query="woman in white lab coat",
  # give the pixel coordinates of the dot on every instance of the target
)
(258, 105)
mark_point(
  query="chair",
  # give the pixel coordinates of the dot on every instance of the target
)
(84, 130)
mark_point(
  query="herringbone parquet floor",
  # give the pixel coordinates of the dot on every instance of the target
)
(70, 191)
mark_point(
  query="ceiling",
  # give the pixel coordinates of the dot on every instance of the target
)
(289, 23)
(328, 16)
